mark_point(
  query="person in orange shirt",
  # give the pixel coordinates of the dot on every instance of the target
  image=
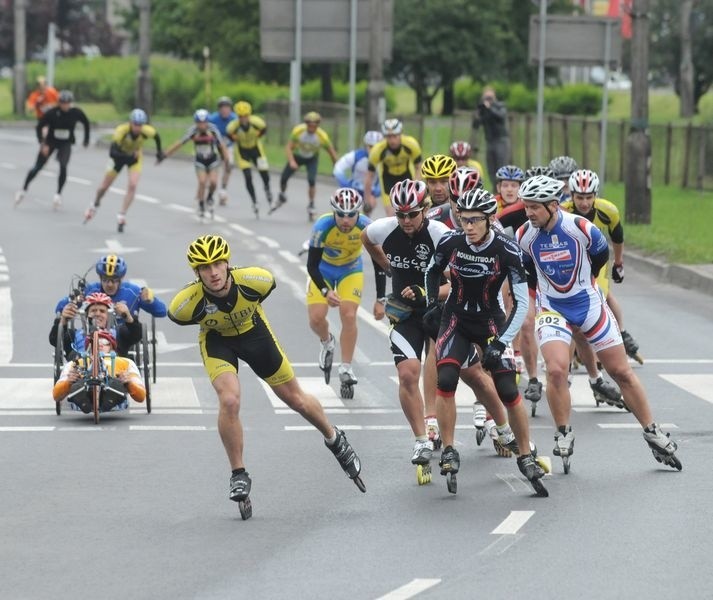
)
(42, 98)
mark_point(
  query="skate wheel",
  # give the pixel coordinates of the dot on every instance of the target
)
(360, 484)
(423, 474)
(451, 483)
(347, 391)
(480, 436)
(246, 508)
(540, 489)
(545, 463)
(565, 464)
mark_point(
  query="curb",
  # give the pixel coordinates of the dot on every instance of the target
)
(690, 277)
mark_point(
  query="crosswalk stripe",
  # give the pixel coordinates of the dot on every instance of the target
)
(699, 385)
(312, 385)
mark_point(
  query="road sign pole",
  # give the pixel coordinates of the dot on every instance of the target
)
(296, 67)
(541, 82)
(352, 71)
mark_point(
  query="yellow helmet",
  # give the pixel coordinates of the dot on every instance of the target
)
(437, 166)
(312, 117)
(243, 109)
(206, 250)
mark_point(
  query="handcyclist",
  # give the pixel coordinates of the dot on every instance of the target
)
(247, 131)
(122, 377)
(336, 280)
(566, 253)
(126, 150)
(221, 118)
(227, 303)
(209, 150)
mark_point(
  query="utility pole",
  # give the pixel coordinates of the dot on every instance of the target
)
(19, 72)
(686, 68)
(638, 144)
(375, 99)
(144, 85)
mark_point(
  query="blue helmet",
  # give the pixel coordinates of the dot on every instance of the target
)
(201, 115)
(509, 173)
(111, 265)
(138, 117)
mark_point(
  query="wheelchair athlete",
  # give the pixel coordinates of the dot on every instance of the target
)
(97, 308)
(121, 375)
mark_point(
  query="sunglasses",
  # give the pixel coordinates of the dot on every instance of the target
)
(472, 220)
(110, 280)
(411, 215)
(348, 215)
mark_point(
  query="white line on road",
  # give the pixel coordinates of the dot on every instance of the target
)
(241, 229)
(514, 521)
(11, 429)
(699, 385)
(167, 428)
(632, 425)
(269, 242)
(80, 180)
(289, 256)
(412, 588)
(180, 208)
(148, 199)
(5, 326)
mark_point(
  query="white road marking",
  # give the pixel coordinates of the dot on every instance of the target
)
(167, 428)
(269, 242)
(180, 208)
(514, 521)
(289, 256)
(148, 199)
(241, 229)
(164, 347)
(464, 395)
(6, 339)
(699, 385)
(633, 425)
(11, 429)
(79, 180)
(312, 385)
(411, 589)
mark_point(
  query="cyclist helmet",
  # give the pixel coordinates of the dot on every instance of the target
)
(201, 116)
(462, 180)
(392, 127)
(477, 199)
(138, 117)
(98, 298)
(224, 101)
(563, 166)
(243, 108)
(312, 117)
(539, 170)
(111, 265)
(510, 173)
(66, 96)
(408, 194)
(206, 250)
(460, 150)
(541, 188)
(106, 335)
(584, 181)
(346, 200)
(437, 166)
(371, 138)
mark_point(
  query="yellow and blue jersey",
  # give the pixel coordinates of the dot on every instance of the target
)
(340, 249)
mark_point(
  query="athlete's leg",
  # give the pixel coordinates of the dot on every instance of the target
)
(63, 154)
(109, 178)
(305, 404)
(480, 381)
(318, 323)
(247, 173)
(134, 176)
(39, 163)
(528, 344)
(287, 172)
(430, 379)
(212, 177)
(409, 372)
(202, 177)
(556, 355)
(227, 386)
(615, 362)
(348, 336)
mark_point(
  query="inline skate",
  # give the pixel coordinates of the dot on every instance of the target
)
(607, 393)
(281, 201)
(631, 347)
(662, 446)
(326, 355)
(347, 458)
(564, 445)
(434, 435)
(347, 381)
(533, 472)
(479, 418)
(533, 393)
(450, 464)
(240, 492)
(422, 452)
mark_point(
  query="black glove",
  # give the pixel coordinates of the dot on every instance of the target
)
(419, 295)
(160, 156)
(492, 355)
(617, 273)
(432, 320)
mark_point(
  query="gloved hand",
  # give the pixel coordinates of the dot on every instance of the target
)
(617, 273)
(160, 156)
(432, 320)
(492, 355)
(419, 295)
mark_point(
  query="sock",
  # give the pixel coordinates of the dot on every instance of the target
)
(595, 379)
(330, 441)
(238, 471)
(421, 438)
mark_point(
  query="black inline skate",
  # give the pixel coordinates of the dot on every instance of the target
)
(240, 492)
(450, 464)
(422, 453)
(533, 393)
(326, 356)
(347, 458)
(662, 447)
(530, 468)
(631, 347)
(347, 381)
(607, 393)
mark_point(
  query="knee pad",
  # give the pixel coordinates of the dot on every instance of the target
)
(448, 374)
(506, 385)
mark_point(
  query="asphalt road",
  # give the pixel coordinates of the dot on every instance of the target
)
(137, 506)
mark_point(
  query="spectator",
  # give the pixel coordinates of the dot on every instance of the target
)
(42, 98)
(492, 115)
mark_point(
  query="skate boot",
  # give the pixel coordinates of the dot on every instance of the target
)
(90, 212)
(268, 196)
(19, 196)
(533, 393)
(564, 446)
(311, 212)
(519, 366)
(631, 347)
(56, 201)
(347, 381)
(256, 210)
(479, 416)
(607, 393)
(281, 200)
(450, 464)
(347, 458)
(422, 452)
(326, 355)
(210, 204)
(240, 492)
(223, 197)
(492, 431)
(662, 446)
(434, 435)
(120, 222)
(506, 440)
(533, 473)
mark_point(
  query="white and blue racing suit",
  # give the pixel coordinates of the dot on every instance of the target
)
(350, 171)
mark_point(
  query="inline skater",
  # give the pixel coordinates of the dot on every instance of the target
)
(403, 245)
(227, 304)
(568, 297)
(585, 202)
(480, 260)
(55, 131)
(336, 280)
(350, 170)
(397, 157)
(462, 152)
(209, 149)
(221, 118)
(126, 150)
(247, 132)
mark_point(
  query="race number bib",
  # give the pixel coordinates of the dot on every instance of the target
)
(61, 134)
(552, 326)
(549, 319)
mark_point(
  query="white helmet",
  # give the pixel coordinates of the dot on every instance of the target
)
(540, 188)
(584, 181)
(392, 127)
(477, 199)
(371, 138)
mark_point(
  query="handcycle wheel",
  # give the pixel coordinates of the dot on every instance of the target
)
(145, 366)
(153, 348)
(96, 391)
(59, 361)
